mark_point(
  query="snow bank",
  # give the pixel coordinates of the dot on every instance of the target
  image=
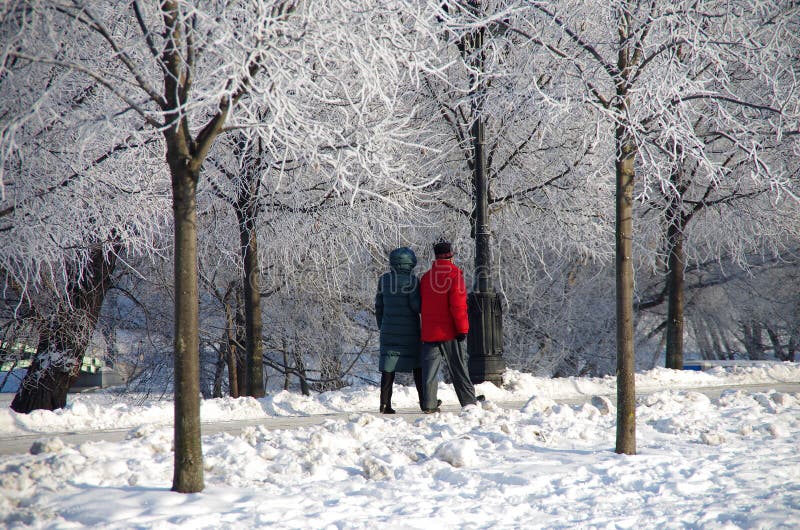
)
(724, 463)
(107, 410)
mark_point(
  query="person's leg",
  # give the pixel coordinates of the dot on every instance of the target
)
(387, 380)
(431, 359)
(418, 383)
(456, 359)
(421, 388)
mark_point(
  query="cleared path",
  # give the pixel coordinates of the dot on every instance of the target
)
(21, 443)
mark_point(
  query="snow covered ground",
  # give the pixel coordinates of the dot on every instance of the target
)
(727, 462)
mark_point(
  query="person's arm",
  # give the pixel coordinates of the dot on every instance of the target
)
(379, 303)
(414, 299)
(458, 303)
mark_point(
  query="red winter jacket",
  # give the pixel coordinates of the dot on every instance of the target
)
(444, 302)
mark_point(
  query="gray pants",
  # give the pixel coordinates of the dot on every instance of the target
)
(456, 359)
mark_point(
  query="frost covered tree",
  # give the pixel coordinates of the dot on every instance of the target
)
(80, 197)
(318, 255)
(543, 186)
(189, 71)
(250, 163)
(737, 152)
(642, 67)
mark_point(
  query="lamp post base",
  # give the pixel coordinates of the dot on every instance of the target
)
(485, 339)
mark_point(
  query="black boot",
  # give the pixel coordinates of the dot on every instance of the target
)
(387, 380)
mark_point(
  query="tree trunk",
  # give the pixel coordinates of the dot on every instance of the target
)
(625, 173)
(675, 301)
(231, 346)
(719, 347)
(287, 372)
(188, 471)
(301, 373)
(185, 156)
(676, 265)
(777, 347)
(64, 339)
(219, 370)
(233, 370)
(626, 388)
(252, 303)
(701, 337)
(240, 351)
(753, 341)
(330, 373)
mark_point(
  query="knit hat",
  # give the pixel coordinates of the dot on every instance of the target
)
(443, 249)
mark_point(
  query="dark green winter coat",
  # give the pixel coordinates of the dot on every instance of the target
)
(397, 307)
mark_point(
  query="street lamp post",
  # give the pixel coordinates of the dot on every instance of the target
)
(485, 340)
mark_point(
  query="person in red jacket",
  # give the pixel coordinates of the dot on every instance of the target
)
(444, 327)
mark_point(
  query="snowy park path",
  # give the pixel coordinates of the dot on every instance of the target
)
(20, 443)
(716, 450)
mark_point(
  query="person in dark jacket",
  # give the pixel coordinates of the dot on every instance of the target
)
(397, 307)
(444, 327)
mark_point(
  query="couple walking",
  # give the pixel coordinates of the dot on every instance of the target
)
(419, 345)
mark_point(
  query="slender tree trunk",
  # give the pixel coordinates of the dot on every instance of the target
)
(701, 337)
(719, 347)
(231, 347)
(241, 352)
(188, 470)
(331, 373)
(626, 388)
(675, 299)
(676, 226)
(233, 373)
(726, 347)
(252, 304)
(625, 173)
(287, 372)
(185, 157)
(64, 339)
(301, 373)
(753, 341)
(219, 370)
(777, 347)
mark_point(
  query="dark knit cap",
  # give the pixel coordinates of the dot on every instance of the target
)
(443, 249)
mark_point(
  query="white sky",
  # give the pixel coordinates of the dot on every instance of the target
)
(722, 463)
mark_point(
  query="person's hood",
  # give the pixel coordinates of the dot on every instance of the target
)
(402, 260)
